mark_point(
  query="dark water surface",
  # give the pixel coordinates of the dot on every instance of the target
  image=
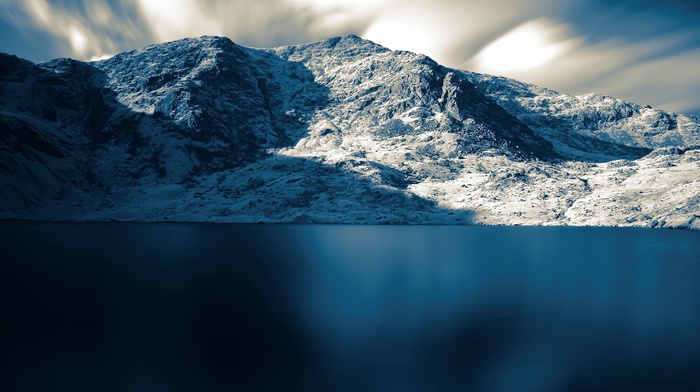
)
(207, 307)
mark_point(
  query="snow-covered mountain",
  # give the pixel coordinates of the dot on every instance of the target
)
(338, 131)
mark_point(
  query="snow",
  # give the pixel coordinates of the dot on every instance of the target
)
(339, 131)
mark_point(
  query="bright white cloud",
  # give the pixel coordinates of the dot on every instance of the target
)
(412, 27)
(615, 67)
(88, 32)
(526, 47)
(40, 10)
(255, 23)
(102, 57)
(100, 13)
(78, 40)
(669, 82)
(333, 17)
(531, 41)
(174, 19)
(441, 28)
(62, 24)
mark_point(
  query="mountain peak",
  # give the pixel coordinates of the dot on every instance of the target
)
(342, 130)
(331, 51)
(182, 46)
(353, 41)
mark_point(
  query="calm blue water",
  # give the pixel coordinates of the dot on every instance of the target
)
(205, 307)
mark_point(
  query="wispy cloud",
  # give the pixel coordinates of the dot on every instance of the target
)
(658, 69)
(173, 19)
(527, 47)
(83, 30)
(644, 51)
(255, 23)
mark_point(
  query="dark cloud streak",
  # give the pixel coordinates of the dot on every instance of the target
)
(32, 44)
(641, 50)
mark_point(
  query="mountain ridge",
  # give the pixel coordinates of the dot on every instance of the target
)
(202, 129)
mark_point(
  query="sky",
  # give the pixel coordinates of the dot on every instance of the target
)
(644, 51)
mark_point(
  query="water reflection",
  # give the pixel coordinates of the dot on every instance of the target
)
(261, 307)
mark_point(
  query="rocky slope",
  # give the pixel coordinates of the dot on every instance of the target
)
(339, 131)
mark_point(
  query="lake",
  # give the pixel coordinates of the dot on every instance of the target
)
(221, 307)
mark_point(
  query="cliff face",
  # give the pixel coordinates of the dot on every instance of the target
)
(342, 130)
